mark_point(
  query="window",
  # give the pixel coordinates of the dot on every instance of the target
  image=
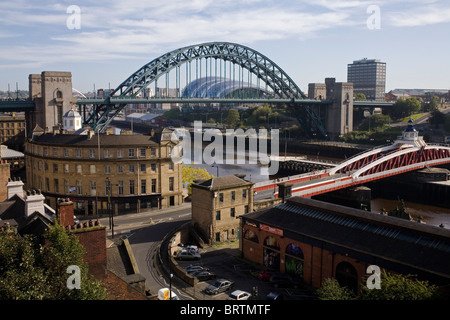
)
(170, 165)
(246, 209)
(131, 186)
(107, 169)
(217, 236)
(66, 168)
(91, 153)
(108, 190)
(143, 186)
(232, 212)
(153, 167)
(79, 187)
(55, 168)
(47, 184)
(218, 215)
(221, 197)
(106, 153)
(66, 153)
(153, 152)
(93, 187)
(244, 193)
(120, 187)
(66, 186)
(120, 168)
(171, 183)
(56, 185)
(233, 195)
(78, 153)
(142, 152)
(79, 169)
(119, 153)
(143, 169)
(153, 185)
(92, 168)
(55, 152)
(131, 168)
(131, 153)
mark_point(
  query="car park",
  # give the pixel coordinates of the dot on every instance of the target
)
(275, 296)
(265, 275)
(219, 286)
(284, 281)
(239, 295)
(195, 268)
(203, 275)
(187, 255)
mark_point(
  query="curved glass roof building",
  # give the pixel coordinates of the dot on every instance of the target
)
(217, 87)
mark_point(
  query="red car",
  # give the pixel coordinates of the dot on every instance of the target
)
(265, 275)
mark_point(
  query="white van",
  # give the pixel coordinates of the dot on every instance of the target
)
(163, 294)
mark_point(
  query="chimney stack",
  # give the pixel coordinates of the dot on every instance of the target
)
(15, 186)
(65, 213)
(34, 201)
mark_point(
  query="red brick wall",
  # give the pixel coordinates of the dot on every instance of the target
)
(319, 264)
(94, 241)
(65, 214)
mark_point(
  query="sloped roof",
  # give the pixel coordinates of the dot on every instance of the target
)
(220, 183)
(361, 234)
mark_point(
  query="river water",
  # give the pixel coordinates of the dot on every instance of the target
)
(431, 215)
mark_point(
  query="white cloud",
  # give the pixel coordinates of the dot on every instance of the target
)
(419, 17)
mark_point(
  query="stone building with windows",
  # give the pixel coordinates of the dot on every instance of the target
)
(129, 171)
(217, 204)
(12, 129)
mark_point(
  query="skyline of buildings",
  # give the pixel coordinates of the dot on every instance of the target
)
(368, 77)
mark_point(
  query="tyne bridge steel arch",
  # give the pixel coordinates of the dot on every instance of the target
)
(267, 71)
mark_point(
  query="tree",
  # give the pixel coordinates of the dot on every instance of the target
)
(331, 290)
(65, 250)
(233, 118)
(405, 107)
(30, 271)
(400, 287)
(190, 174)
(359, 96)
(432, 105)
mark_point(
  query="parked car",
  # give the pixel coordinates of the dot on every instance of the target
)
(218, 286)
(204, 275)
(187, 255)
(265, 275)
(195, 268)
(239, 295)
(284, 281)
(275, 296)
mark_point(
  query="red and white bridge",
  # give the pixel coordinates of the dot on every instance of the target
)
(408, 153)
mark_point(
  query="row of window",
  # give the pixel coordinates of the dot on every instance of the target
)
(78, 187)
(93, 153)
(107, 168)
(233, 195)
(232, 213)
(12, 124)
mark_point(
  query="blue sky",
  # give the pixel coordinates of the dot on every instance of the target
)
(310, 40)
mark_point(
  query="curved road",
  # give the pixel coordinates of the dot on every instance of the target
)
(145, 231)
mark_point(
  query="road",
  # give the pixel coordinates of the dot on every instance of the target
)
(144, 232)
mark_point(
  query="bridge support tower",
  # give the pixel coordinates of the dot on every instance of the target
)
(339, 116)
(52, 93)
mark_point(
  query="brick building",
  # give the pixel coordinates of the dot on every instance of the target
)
(314, 240)
(217, 204)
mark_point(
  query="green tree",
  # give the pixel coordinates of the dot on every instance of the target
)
(190, 174)
(65, 250)
(331, 290)
(29, 271)
(20, 277)
(432, 105)
(405, 107)
(359, 96)
(400, 287)
(233, 118)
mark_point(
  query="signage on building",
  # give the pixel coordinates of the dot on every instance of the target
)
(271, 229)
